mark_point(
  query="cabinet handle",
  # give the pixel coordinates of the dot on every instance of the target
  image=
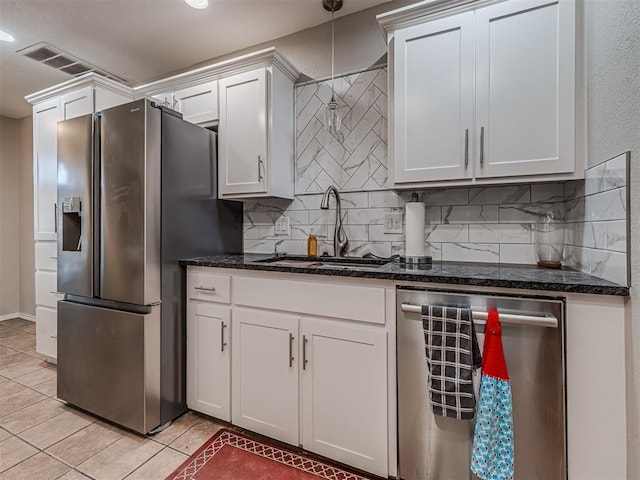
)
(53, 258)
(55, 337)
(260, 168)
(304, 352)
(205, 289)
(481, 145)
(55, 217)
(56, 293)
(466, 148)
(291, 359)
(222, 342)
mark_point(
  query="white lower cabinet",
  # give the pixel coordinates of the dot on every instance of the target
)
(291, 371)
(209, 359)
(47, 331)
(344, 393)
(265, 373)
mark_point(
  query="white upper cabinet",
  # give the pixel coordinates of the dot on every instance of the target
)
(525, 88)
(198, 104)
(77, 103)
(242, 145)
(484, 94)
(433, 93)
(251, 99)
(256, 134)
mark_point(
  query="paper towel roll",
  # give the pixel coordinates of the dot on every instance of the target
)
(414, 230)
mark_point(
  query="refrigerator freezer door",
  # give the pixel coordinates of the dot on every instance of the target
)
(109, 363)
(130, 204)
(75, 206)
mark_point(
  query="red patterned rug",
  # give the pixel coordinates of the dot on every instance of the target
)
(230, 455)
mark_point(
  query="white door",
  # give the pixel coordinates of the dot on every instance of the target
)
(265, 373)
(209, 359)
(344, 393)
(198, 104)
(77, 103)
(433, 100)
(525, 98)
(45, 168)
(242, 141)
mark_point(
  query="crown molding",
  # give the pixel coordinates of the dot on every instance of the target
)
(416, 13)
(262, 58)
(85, 80)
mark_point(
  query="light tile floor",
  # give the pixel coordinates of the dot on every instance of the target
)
(41, 438)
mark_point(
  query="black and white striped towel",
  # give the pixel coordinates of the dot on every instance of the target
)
(452, 355)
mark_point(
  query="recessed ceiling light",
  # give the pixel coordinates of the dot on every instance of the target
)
(7, 37)
(199, 4)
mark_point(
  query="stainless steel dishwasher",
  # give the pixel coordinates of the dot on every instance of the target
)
(439, 448)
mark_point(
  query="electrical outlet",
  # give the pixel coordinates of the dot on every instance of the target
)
(393, 222)
(282, 226)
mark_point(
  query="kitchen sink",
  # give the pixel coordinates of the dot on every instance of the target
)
(325, 262)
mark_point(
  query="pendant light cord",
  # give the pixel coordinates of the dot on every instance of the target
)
(333, 46)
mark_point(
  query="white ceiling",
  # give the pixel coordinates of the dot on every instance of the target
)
(140, 40)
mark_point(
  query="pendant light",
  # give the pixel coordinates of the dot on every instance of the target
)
(333, 118)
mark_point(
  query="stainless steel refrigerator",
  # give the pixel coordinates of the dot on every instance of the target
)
(136, 193)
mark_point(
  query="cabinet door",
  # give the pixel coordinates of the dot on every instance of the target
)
(77, 103)
(45, 168)
(525, 67)
(242, 141)
(433, 100)
(209, 359)
(198, 104)
(265, 373)
(344, 393)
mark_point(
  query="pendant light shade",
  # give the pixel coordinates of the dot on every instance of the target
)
(333, 117)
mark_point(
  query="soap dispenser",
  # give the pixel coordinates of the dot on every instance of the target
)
(312, 245)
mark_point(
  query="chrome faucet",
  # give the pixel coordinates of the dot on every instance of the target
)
(340, 241)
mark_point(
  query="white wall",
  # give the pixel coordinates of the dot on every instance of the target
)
(9, 204)
(613, 119)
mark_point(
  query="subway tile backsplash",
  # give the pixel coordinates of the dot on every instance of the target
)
(597, 219)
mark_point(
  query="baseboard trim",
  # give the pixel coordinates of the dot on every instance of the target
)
(9, 316)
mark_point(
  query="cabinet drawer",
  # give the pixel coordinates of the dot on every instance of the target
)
(209, 287)
(46, 256)
(47, 331)
(46, 293)
(352, 302)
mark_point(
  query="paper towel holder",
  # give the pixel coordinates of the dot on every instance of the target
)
(415, 262)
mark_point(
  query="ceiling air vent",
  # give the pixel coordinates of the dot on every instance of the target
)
(56, 58)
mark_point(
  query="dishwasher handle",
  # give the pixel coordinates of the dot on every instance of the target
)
(480, 317)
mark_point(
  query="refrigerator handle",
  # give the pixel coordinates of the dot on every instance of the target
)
(55, 217)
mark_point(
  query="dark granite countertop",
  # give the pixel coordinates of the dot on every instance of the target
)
(527, 277)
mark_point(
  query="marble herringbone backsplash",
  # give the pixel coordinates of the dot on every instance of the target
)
(467, 224)
(360, 160)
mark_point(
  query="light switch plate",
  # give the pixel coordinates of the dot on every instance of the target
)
(282, 226)
(393, 222)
